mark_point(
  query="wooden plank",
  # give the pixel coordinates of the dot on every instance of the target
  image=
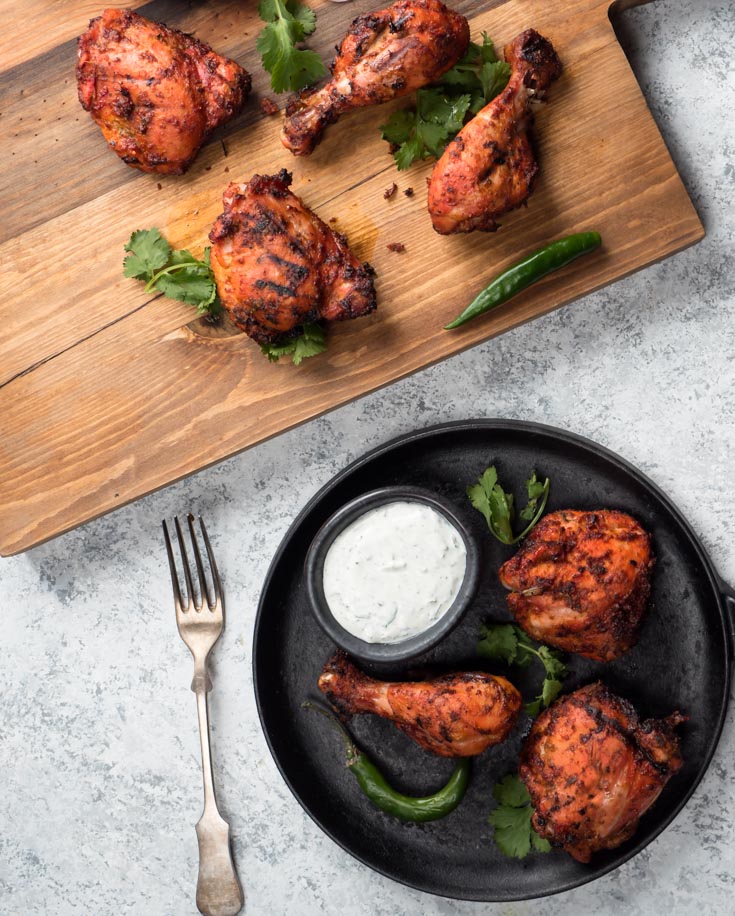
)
(93, 293)
(108, 395)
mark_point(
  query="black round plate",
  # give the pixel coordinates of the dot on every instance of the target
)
(682, 661)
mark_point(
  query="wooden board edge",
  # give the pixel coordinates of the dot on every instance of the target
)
(13, 548)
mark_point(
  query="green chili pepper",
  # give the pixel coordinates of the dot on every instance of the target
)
(532, 268)
(377, 788)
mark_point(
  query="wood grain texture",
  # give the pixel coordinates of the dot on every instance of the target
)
(107, 393)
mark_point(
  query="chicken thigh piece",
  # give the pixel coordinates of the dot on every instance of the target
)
(581, 582)
(457, 715)
(385, 55)
(278, 266)
(490, 167)
(155, 92)
(592, 769)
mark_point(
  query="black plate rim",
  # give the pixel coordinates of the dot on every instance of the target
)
(723, 595)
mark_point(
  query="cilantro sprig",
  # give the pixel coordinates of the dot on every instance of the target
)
(508, 643)
(489, 498)
(179, 275)
(310, 342)
(442, 110)
(513, 831)
(288, 24)
(176, 273)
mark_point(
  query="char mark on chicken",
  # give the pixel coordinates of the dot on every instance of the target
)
(278, 266)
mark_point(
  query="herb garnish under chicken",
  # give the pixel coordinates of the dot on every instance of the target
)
(385, 55)
(456, 715)
(592, 769)
(155, 92)
(490, 167)
(581, 582)
(278, 266)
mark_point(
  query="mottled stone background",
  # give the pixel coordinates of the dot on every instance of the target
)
(98, 741)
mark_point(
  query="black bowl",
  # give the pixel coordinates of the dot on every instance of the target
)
(383, 653)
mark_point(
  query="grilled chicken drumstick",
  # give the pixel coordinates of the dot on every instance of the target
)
(278, 266)
(581, 582)
(457, 715)
(490, 167)
(384, 55)
(155, 92)
(592, 768)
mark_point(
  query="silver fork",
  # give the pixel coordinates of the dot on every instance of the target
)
(218, 889)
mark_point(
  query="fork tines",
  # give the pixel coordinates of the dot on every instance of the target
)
(195, 597)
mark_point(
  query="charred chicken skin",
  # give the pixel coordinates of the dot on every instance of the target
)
(581, 582)
(385, 55)
(457, 715)
(278, 266)
(490, 167)
(155, 92)
(592, 769)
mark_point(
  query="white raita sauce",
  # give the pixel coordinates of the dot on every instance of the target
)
(394, 572)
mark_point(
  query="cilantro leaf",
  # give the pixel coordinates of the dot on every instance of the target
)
(508, 643)
(148, 252)
(489, 498)
(425, 131)
(536, 490)
(497, 506)
(442, 110)
(511, 792)
(499, 642)
(513, 832)
(175, 273)
(288, 23)
(310, 343)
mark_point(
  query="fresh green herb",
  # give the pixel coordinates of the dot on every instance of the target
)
(442, 110)
(489, 498)
(176, 273)
(288, 23)
(310, 343)
(508, 643)
(514, 834)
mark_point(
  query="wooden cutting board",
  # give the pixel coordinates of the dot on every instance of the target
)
(107, 393)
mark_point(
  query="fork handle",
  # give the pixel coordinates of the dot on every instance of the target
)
(218, 889)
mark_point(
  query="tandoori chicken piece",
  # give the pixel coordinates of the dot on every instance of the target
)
(155, 92)
(592, 768)
(457, 715)
(385, 55)
(278, 266)
(581, 582)
(490, 166)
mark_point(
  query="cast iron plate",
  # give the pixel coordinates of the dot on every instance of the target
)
(682, 661)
